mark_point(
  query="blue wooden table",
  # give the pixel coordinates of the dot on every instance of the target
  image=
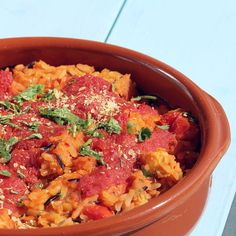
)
(196, 37)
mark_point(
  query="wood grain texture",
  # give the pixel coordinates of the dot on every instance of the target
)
(230, 228)
(71, 18)
(198, 38)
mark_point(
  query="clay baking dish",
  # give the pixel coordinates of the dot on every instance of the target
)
(176, 211)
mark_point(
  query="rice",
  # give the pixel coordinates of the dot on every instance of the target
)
(133, 168)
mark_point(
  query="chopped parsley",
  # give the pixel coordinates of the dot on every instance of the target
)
(87, 127)
(26, 109)
(113, 87)
(29, 93)
(5, 173)
(61, 116)
(89, 120)
(143, 134)
(163, 127)
(51, 95)
(94, 133)
(145, 172)
(111, 126)
(10, 107)
(20, 174)
(5, 149)
(6, 120)
(147, 97)
(35, 135)
(73, 129)
(20, 201)
(85, 150)
(32, 126)
(130, 128)
(39, 185)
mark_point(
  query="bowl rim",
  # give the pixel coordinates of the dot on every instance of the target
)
(214, 146)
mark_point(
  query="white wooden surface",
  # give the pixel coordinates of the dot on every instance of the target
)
(196, 37)
(66, 18)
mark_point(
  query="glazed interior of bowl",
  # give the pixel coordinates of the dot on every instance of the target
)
(151, 76)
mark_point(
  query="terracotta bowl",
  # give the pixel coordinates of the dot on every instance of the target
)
(176, 211)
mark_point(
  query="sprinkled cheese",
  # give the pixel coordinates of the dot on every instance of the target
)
(22, 167)
(81, 89)
(106, 105)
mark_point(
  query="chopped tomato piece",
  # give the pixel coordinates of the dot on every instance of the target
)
(184, 129)
(5, 82)
(95, 212)
(169, 117)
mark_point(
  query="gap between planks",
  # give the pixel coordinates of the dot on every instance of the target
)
(116, 19)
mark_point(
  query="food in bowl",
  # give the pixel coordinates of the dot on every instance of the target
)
(78, 145)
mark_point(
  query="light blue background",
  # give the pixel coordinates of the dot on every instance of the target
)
(196, 37)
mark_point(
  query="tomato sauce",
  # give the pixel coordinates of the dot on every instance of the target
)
(120, 151)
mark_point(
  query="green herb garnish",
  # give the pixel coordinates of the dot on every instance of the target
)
(6, 120)
(51, 95)
(5, 149)
(130, 128)
(20, 201)
(89, 120)
(61, 116)
(39, 185)
(32, 126)
(147, 97)
(5, 173)
(163, 127)
(111, 126)
(85, 150)
(113, 87)
(20, 174)
(26, 109)
(93, 132)
(29, 94)
(143, 134)
(10, 106)
(96, 134)
(35, 135)
(73, 129)
(145, 172)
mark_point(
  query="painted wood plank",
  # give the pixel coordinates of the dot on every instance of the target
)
(230, 227)
(71, 18)
(198, 38)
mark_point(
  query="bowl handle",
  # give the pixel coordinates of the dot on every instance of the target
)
(223, 125)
